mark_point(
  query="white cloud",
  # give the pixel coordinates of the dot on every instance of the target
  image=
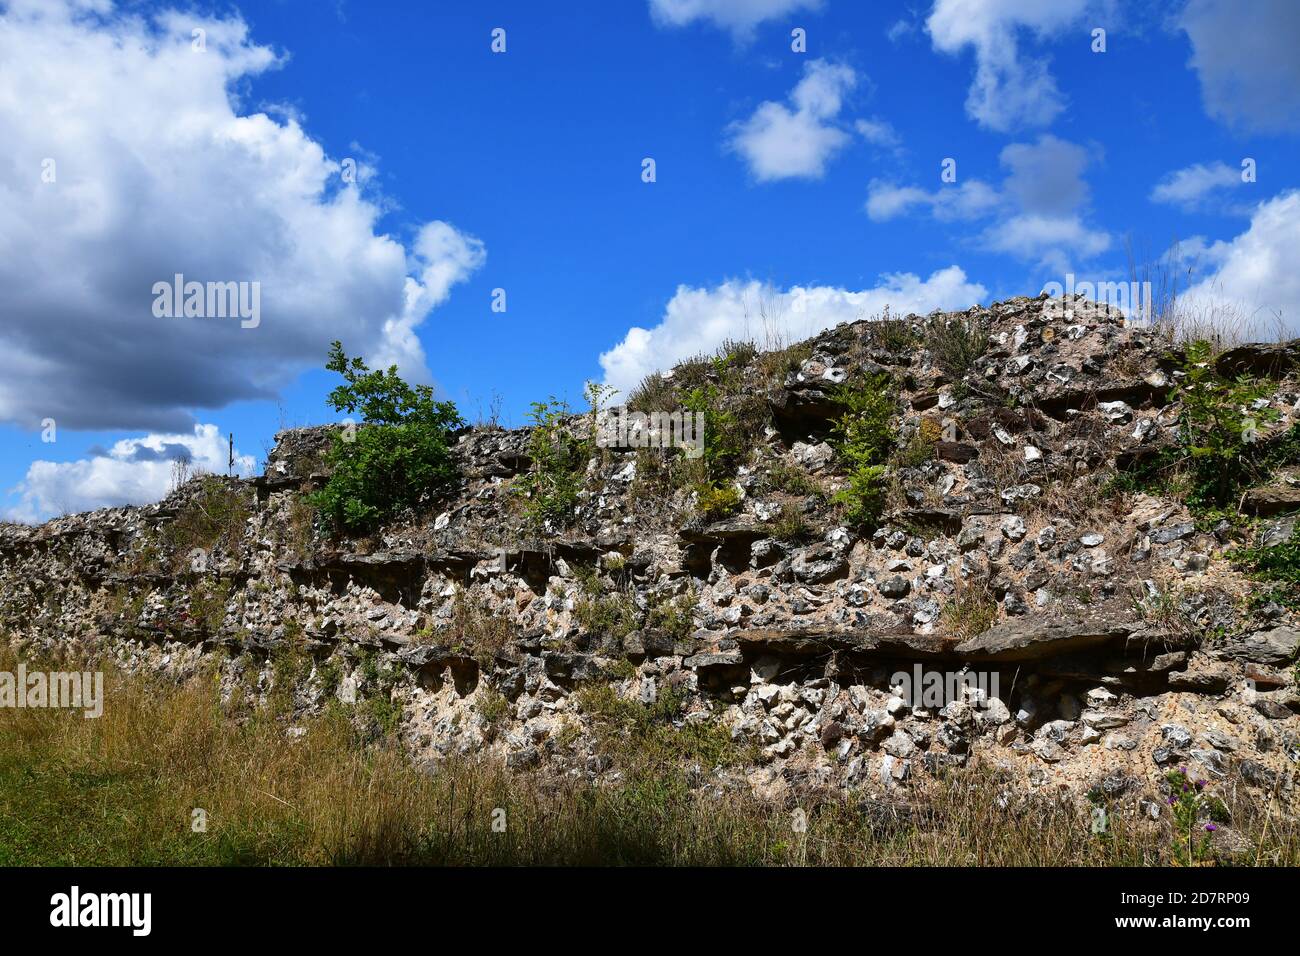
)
(1037, 210)
(740, 17)
(781, 143)
(1190, 186)
(969, 199)
(878, 132)
(158, 171)
(134, 471)
(1255, 281)
(699, 320)
(1056, 242)
(1245, 56)
(1010, 90)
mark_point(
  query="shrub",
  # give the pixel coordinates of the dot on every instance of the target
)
(863, 436)
(559, 457)
(955, 343)
(892, 335)
(713, 502)
(399, 455)
(1217, 430)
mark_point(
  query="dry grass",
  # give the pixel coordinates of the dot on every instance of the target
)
(1214, 319)
(121, 790)
(215, 515)
(971, 610)
(475, 629)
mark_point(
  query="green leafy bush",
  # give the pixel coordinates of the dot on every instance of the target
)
(1277, 565)
(713, 502)
(1218, 430)
(1219, 449)
(559, 457)
(863, 436)
(399, 455)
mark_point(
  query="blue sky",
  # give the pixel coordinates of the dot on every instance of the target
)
(805, 183)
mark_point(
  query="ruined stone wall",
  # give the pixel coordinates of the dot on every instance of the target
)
(1118, 637)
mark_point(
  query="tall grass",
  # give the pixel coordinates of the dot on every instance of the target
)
(1180, 319)
(121, 789)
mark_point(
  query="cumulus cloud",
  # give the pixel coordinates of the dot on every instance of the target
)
(1244, 53)
(129, 159)
(1191, 186)
(1056, 242)
(1010, 89)
(1037, 210)
(1254, 285)
(698, 320)
(740, 17)
(796, 141)
(134, 471)
(967, 200)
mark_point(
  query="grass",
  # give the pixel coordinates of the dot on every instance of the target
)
(675, 616)
(207, 604)
(790, 524)
(970, 611)
(651, 739)
(603, 609)
(121, 790)
(891, 334)
(476, 629)
(955, 343)
(216, 514)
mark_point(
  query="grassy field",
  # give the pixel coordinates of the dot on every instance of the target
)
(121, 789)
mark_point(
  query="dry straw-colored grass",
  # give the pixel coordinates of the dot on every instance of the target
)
(121, 790)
